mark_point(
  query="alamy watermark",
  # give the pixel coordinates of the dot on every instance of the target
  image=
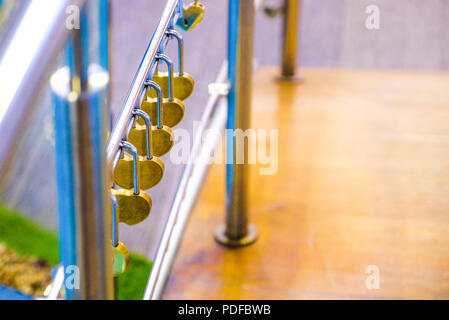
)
(372, 21)
(372, 282)
(73, 19)
(72, 277)
(234, 146)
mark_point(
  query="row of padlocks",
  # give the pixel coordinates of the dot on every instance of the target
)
(139, 167)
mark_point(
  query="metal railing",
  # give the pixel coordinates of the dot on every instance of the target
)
(39, 29)
(138, 90)
(136, 95)
(80, 90)
(84, 167)
(289, 39)
(28, 50)
(174, 228)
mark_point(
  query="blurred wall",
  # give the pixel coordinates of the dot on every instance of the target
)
(413, 34)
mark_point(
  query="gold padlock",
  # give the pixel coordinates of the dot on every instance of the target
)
(173, 108)
(121, 259)
(191, 16)
(120, 255)
(162, 136)
(151, 167)
(182, 81)
(162, 141)
(124, 171)
(134, 205)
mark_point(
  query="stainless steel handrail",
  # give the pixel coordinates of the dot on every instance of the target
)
(137, 89)
(24, 61)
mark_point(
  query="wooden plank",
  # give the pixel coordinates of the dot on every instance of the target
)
(362, 181)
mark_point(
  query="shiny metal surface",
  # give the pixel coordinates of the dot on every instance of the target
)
(10, 15)
(115, 235)
(93, 202)
(142, 114)
(155, 86)
(193, 188)
(25, 59)
(83, 184)
(170, 68)
(180, 40)
(133, 151)
(240, 55)
(289, 36)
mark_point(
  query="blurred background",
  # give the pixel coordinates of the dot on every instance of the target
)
(413, 35)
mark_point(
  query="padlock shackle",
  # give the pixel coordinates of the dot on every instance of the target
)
(133, 151)
(114, 205)
(170, 67)
(159, 97)
(173, 33)
(142, 114)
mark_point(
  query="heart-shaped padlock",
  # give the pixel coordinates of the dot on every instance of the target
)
(172, 108)
(183, 82)
(133, 208)
(151, 172)
(133, 205)
(122, 259)
(172, 111)
(163, 140)
(191, 16)
(162, 136)
(151, 167)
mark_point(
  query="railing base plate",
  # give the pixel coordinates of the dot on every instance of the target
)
(224, 240)
(290, 79)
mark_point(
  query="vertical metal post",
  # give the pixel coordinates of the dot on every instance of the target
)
(289, 40)
(83, 178)
(237, 232)
(61, 90)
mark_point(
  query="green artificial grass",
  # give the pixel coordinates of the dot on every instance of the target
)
(28, 239)
(132, 283)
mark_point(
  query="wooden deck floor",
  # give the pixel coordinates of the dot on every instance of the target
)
(363, 180)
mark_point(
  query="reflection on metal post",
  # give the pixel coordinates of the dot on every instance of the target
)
(40, 29)
(289, 39)
(237, 232)
(60, 88)
(83, 178)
